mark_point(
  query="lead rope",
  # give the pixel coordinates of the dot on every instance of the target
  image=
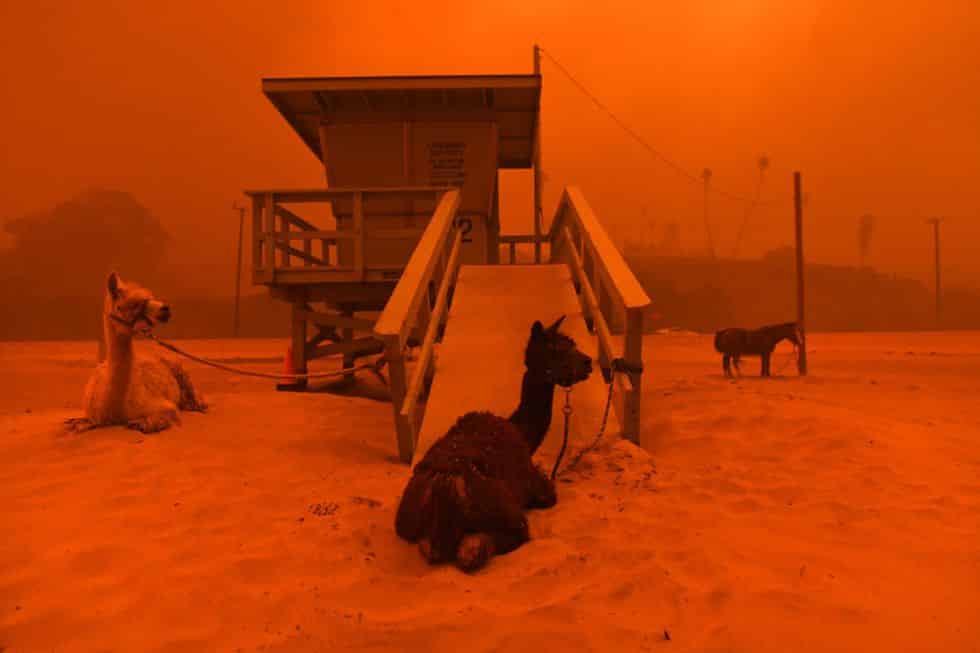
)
(375, 366)
(618, 365)
(567, 411)
(795, 356)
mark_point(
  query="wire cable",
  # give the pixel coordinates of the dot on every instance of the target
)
(639, 139)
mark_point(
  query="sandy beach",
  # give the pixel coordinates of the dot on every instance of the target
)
(840, 512)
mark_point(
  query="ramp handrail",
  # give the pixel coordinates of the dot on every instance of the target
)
(434, 260)
(512, 240)
(610, 294)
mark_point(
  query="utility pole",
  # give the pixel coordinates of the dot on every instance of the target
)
(939, 287)
(800, 291)
(238, 267)
(537, 166)
(706, 176)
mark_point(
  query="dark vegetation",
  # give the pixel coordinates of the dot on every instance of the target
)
(702, 295)
(51, 280)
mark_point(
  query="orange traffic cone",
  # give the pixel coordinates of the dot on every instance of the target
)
(289, 382)
(287, 365)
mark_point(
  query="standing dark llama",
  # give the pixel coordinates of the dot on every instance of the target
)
(466, 497)
(735, 343)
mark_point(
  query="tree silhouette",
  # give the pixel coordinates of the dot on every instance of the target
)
(67, 251)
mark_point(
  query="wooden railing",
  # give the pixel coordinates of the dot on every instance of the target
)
(433, 265)
(612, 299)
(513, 240)
(341, 251)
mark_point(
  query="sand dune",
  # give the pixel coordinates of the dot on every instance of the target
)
(835, 513)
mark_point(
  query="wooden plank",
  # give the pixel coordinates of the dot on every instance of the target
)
(359, 234)
(323, 140)
(334, 275)
(429, 339)
(591, 302)
(289, 216)
(333, 234)
(493, 222)
(396, 385)
(404, 302)
(314, 275)
(370, 213)
(257, 204)
(347, 334)
(301, 195)
(517, 238)
(365, 296)
(413, 82)
(633, 355)
(481, 359)
(308, 259)
(269, 232)
(406, 150)
(367, 346)
(625, 287)
(341, 321)
(394, 234)
(283, 228)
(536, 163)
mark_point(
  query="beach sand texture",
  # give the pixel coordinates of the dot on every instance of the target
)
(840, 512)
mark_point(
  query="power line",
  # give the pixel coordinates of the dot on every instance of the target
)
(763, 165)
(639, 139)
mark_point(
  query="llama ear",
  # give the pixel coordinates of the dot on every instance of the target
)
(537, 329)
(113, 285)
(554, 327)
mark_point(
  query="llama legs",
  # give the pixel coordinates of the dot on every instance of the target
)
(80, 424)
(190, 398)
(476, 549)
(163, 417)
(502, 528)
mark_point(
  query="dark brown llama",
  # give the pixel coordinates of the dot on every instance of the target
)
(466, 499)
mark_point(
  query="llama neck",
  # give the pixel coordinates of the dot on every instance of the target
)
(119, 360)
(533, 414)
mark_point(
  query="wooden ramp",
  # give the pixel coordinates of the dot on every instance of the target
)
(480, 362)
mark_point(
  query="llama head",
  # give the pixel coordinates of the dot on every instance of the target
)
(131, 306)
(554, 357)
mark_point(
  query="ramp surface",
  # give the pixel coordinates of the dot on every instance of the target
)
(480, 363)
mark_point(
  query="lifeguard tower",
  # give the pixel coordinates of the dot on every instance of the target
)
(411, 196)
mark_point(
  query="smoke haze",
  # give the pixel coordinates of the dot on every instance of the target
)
(875, 102)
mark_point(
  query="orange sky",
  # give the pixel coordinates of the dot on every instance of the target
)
(877, 103)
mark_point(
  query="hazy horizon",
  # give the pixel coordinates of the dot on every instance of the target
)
(877, 106)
